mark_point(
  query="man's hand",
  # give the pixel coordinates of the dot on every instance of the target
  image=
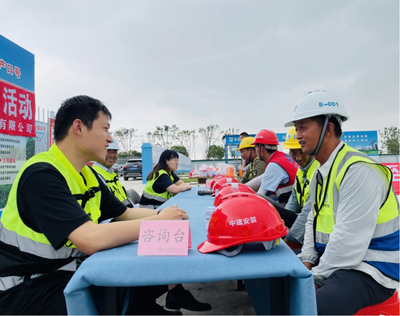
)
(172, 213)
(308, 265)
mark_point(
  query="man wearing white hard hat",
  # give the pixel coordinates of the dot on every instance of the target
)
(109, 177)
(351, 244)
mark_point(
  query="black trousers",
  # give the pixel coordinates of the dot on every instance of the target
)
(345, 292)
(45, 296)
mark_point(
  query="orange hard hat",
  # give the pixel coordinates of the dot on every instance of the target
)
(266, 137)
(226, 189)
(242, 218)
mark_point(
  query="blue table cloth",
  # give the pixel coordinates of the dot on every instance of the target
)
(262, 270)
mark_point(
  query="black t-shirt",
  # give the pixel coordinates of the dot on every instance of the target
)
(46, 204)
(160, 186)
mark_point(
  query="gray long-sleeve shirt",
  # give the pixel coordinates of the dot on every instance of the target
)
(362, 192)
(297, 231)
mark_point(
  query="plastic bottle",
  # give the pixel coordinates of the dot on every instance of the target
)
(229, 180)
(230, 171)
(240, 171)
(235, 188)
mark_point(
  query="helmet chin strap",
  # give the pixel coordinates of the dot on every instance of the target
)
(321, 136)
(251, 151)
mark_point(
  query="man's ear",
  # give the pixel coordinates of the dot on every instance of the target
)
(77, 127)
(330, 129)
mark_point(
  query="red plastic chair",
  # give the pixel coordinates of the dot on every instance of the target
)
(388, 307)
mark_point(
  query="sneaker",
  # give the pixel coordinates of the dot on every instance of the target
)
(178, 298)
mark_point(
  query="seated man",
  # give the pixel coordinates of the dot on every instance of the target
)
(299, 202)
(49, 224)
(351, 244)
(255, 166)
(280, 171)
(109, 177)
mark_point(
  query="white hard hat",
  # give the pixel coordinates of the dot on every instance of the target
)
(114, 144)
(319, 102)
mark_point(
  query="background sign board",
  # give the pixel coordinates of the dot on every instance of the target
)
(364, 141)
(17, 97)
(17, 112)
(41, 137)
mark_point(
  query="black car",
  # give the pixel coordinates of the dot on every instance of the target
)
(132, 169)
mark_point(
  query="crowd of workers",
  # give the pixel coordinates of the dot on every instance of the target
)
(338, 204)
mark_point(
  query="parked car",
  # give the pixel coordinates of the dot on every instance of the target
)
(117, 169)
(132, 169)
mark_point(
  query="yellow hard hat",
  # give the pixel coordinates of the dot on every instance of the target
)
(246, 143)
(291, 141)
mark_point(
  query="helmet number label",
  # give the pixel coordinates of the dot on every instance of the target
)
(321, 104)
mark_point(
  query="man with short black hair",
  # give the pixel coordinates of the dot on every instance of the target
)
(49, 223)
(351, 244)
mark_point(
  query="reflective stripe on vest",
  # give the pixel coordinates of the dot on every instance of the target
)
(301, 186)
(114, 185)
(287, 164)
(15, 233)
(149, 193)
(383, 251)
(10, 281)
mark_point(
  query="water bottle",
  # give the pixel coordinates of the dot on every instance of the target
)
(235, 188)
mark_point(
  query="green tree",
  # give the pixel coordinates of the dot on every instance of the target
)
(210, 135)
(30, 147)
(128, 139)
(232, 131)
(217, 152)
(187, 139)
(165, 135)
(4, 192)
(180, 149)
(390, 140)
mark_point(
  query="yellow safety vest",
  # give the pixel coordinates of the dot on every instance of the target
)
(302, 187)
(114, 185)
(149, 192)
(385, 239)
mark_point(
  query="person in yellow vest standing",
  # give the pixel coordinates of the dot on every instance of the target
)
(162, 184)
(109, 177)
(299, 202)
(351, 244)
(49, 224)
(255, 166)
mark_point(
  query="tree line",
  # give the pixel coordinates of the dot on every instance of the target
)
(171, 137)
(184, 141)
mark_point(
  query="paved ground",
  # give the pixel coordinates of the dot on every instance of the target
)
(223, 296)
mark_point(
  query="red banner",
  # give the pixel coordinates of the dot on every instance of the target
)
(395, 167)
(51, 131)
(17, 111)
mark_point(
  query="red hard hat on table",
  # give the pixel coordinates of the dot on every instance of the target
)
(226, 189)
(242, 218)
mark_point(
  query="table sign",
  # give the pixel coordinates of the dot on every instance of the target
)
(164, 238)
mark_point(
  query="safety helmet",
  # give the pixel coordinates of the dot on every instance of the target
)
(319, 102)
(227, 188)
(215, 180)
(242, 218)
(246, 142)
(218, 185)
(266, 137)
(291, 141)
(114, 144)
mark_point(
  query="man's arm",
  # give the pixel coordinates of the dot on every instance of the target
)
(309, 256)
(90, 238)
(298, 229)
(361, 194)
